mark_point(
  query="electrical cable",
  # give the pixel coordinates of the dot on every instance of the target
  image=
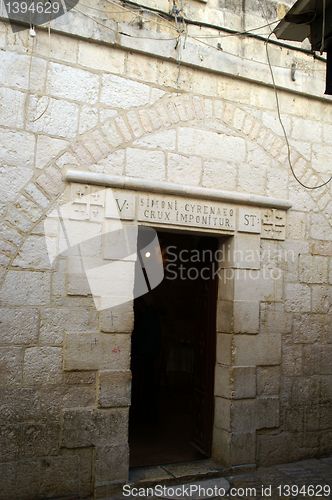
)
(164, 15)
(284, 129)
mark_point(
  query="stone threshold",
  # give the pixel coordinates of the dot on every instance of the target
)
(205, 473)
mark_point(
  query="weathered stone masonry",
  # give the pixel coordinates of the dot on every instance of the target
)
(65, 379)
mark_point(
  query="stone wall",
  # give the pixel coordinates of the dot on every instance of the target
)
(67, 102)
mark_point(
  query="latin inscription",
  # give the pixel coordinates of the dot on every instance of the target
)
(249, 220)
(185, 212)
(94, 203)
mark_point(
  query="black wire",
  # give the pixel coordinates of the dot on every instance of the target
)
(224, 29)
(284, 129)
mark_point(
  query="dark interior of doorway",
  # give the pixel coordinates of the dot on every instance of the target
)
(173, 357)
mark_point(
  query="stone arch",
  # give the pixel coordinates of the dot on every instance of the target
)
(36, 198)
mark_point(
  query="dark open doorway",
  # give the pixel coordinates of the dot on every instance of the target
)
(173, 356)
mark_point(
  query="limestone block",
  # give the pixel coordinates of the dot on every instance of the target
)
(17, 148)
(33, 254)
(321, 248)
(12, 180)
(268, 380)
(319, 227)
(242, 252)
(11, 361)
(113, 164)
(255, 285)
(326, 387)
(308, 328)
(243, 416)
(274, 319)
(279, 448)
(76, 378)
(79, 396)
(226, 283)
(26, 288)
(223, 382)
(64, 50)
(135, 123)
(37, 196)
(40, 439)
(184, 169)
(101, 57)
(297, 297)
(91, 427)
(19, 219)
(225, 316)
(47, 149)
(53, 117)
(291, 360)
(325, 421)
(244, 382)
(305, 390)
(12, 108)
(165, 140)
(243, 448)
(88, 118)
(10, 234)
(77, 282)
(222, 413)
(321, 154)
(311, 359)
(296, 225)
(42, 365)
(29, 208)
(112, 133)
(211, 144)
(142, 163)
(221, 445)
(327, 133)
(313, 269)
(124, 129)
(18, 326)
(139, 67)
(92, 351)
(114, 389)
(257, 350)
(10, 440)
(224, 348)
(112, 463)
(55, 321)
(307, 130)
(72, 83)
(122, 93)
(252, 178)
(246, 317)
(14, 69)
(326, 365)
(70, 473)
(267, 413)
(117, 319)
(219, 174)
